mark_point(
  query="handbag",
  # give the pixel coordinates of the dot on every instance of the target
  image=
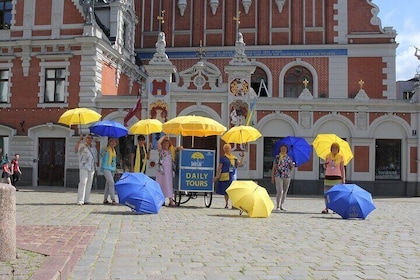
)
(224, 176)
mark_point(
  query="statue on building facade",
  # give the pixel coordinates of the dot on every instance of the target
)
(88, 10)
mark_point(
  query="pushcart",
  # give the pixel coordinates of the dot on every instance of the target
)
(194, 176)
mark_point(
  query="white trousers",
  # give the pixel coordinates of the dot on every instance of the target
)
(109, 185)
(282, 187)
(85, 185)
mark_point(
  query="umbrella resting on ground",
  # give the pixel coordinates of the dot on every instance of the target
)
(139, 192)
(350, 201)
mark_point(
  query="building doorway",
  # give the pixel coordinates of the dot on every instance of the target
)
(51, 161)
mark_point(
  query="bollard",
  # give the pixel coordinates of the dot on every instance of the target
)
(7, 222)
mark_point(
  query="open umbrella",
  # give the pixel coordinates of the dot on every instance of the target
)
(108, 128)
(195, 126)
(298, 149)
(241, 134)
(350, 201)
(146, 127)
(322, 145)
(79, 116)
(251, 198)
(139, 192)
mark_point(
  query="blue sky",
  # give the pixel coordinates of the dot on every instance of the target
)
(403, 16)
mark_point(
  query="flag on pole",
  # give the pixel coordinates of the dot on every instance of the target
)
(251, 111)
(132, 112)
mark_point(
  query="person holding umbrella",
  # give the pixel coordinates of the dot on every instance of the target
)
(139, 155)
(109, 168)
(281, 175)
(226, 171)
(88, 158)
(164, 175)
(334, 170)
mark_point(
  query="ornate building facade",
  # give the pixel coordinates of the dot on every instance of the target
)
(313, 66)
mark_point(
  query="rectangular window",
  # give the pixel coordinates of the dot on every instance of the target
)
(4, 86)
(5, 14)
(54, 85)
(388, 159)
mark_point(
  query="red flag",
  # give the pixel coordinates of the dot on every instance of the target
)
(132, 112)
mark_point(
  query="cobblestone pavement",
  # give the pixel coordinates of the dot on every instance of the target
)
(194, 242)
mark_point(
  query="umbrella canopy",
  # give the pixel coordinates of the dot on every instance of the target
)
(350, 201)
(139, 192)
(251, 198)
(79, 116)
(193, 126)
(146, 127)
(241, 134)
(322, 146)
(298, 149)
(108, 128)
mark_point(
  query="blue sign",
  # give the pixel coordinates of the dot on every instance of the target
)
(252, 53)
(196, 170)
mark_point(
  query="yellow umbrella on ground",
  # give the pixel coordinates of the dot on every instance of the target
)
(251, 198)
(79, 116)
(322, 146)
(146, 127)
(241, 134)
(193, 126)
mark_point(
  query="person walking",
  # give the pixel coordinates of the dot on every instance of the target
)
(109, 168)
(16, 170)
(88, 159)
(6, 171)
(164, 175)
(226, 171)
(334, 171)
(281, 176)
(139, 155)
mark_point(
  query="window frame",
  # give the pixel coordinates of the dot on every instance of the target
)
(56, 80)
(390, 170)
(5, 11)
(42, 81)
(298, 86)
(7, 86)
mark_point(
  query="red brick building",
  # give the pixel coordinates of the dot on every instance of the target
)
(327, 67)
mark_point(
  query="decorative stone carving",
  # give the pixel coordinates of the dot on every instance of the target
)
(182, 5)
(160, 57)
(247, 5)
(214, 4)
(240, 57)
(280, 4)
(305, 120)
(361, 120)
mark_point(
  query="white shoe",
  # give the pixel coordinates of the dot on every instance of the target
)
(282, 209)
(277, 209)
(80, 203)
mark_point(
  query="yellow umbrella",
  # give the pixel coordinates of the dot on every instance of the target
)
(79, 116)
(193, 126)
(146, 127)
(241, 134)
(322, 145)
(251, 198)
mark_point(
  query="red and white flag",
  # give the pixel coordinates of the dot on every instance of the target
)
(132, 112)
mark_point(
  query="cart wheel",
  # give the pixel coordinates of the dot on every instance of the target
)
(180, 199)
(208, 197)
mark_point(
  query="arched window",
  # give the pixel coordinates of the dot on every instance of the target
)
(259, 74)
(293, 81)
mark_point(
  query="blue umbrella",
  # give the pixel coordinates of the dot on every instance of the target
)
(350, 201)
(139, 192)
(298, 149)
(108, 128)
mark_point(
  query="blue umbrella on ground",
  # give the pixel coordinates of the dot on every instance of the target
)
(350, 201)
(108, 128)
(298, 149)
(139, 192)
